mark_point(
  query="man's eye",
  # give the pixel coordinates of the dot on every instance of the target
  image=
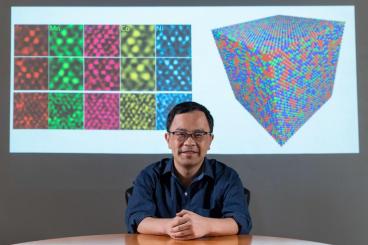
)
(198, 134)
(181, 134)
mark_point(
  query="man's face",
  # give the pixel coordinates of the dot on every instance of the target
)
(191, 151)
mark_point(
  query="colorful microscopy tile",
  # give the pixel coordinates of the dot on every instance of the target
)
(65, 111)
(66, 74)
(30, 73)
(165, 102)
(66, 40)
(137, 40)
(101, 40)
(31, 40)
(138, 111)
(173, 41)
(80, 59)
(138, 74)
(30, 110)
(174, 74)
(101, 111)
(102, 74)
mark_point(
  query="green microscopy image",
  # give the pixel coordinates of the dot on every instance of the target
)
(138, 74)
(66, 40)
(138, 111)
(137, 40)
(65, 111)
(66, 74)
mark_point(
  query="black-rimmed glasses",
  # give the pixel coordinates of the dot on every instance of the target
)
(184, 135)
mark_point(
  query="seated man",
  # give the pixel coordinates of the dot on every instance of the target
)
(188, 196)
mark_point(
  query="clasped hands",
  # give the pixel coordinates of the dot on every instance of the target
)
(187, 225)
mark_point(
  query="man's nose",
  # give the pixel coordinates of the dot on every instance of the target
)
(189, 140)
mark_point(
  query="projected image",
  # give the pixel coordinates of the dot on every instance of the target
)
(103, 79)
(121, 60)
(281, 68)
(30, 110)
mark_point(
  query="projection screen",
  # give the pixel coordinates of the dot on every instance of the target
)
(277, 80)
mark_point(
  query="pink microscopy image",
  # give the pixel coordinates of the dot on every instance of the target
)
(101, 40)
(102, 74)
(101, 111)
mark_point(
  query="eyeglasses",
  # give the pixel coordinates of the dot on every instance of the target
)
(183, 135)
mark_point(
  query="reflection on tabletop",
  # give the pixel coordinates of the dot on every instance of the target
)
(159, 240)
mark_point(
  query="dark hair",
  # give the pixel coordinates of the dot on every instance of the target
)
(185, 107)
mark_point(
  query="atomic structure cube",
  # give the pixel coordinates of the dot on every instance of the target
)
(281, 68)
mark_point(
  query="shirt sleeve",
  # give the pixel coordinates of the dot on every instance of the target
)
(141, 204)
(235, 205)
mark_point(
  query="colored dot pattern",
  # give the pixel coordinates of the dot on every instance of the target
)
(102, 74)
(66, 40)
(173, 41)
(65, 111)
(31, 74)
(174, 74)
(30, 110)
(101, 40)
(66, 74)
(138, 111)
(165, 102)
(138, 74)
(99, 77)
(138, 40)
(281, 68)
(101, 111)
(31, 40)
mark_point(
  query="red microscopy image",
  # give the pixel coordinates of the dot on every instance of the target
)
(101, 40)
(30, 110)
(31, 40)
(31, 74)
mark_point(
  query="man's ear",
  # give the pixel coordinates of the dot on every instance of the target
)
(167, 138)
(209, 146)
(167, 135)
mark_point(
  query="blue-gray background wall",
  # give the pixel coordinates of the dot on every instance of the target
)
(314, 197)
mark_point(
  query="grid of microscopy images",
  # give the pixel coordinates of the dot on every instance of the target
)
(100, 76)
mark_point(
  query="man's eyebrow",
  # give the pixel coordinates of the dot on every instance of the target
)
(180, 129)
(186, 130)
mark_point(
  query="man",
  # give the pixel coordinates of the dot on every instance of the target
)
(188, 196)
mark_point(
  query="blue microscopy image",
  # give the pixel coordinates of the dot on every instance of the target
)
(164, 104)
(174, 74)
(173, 41)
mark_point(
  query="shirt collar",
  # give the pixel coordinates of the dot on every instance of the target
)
(206, 169)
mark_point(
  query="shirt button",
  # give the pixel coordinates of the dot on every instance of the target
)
(185, 193)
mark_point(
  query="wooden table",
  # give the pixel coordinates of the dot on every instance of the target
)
(133, 239)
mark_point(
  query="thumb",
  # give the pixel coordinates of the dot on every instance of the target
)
(182, 213)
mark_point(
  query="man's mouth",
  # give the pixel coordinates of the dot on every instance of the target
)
(189, 152)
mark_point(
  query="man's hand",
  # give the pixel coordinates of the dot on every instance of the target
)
(188, 225)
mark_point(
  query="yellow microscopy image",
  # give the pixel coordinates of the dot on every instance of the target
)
(137, 40)
(138, 111)
(138, 74)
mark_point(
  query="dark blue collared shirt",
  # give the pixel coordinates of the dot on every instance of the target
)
(216, 192)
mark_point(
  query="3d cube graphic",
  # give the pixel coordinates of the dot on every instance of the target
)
(281, 68)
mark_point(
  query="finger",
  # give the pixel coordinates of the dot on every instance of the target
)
(179, 221)
(181, 227)
(182, 234)
(187, 237)
(183, 212)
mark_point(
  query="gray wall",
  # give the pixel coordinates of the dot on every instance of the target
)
(313, 197)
